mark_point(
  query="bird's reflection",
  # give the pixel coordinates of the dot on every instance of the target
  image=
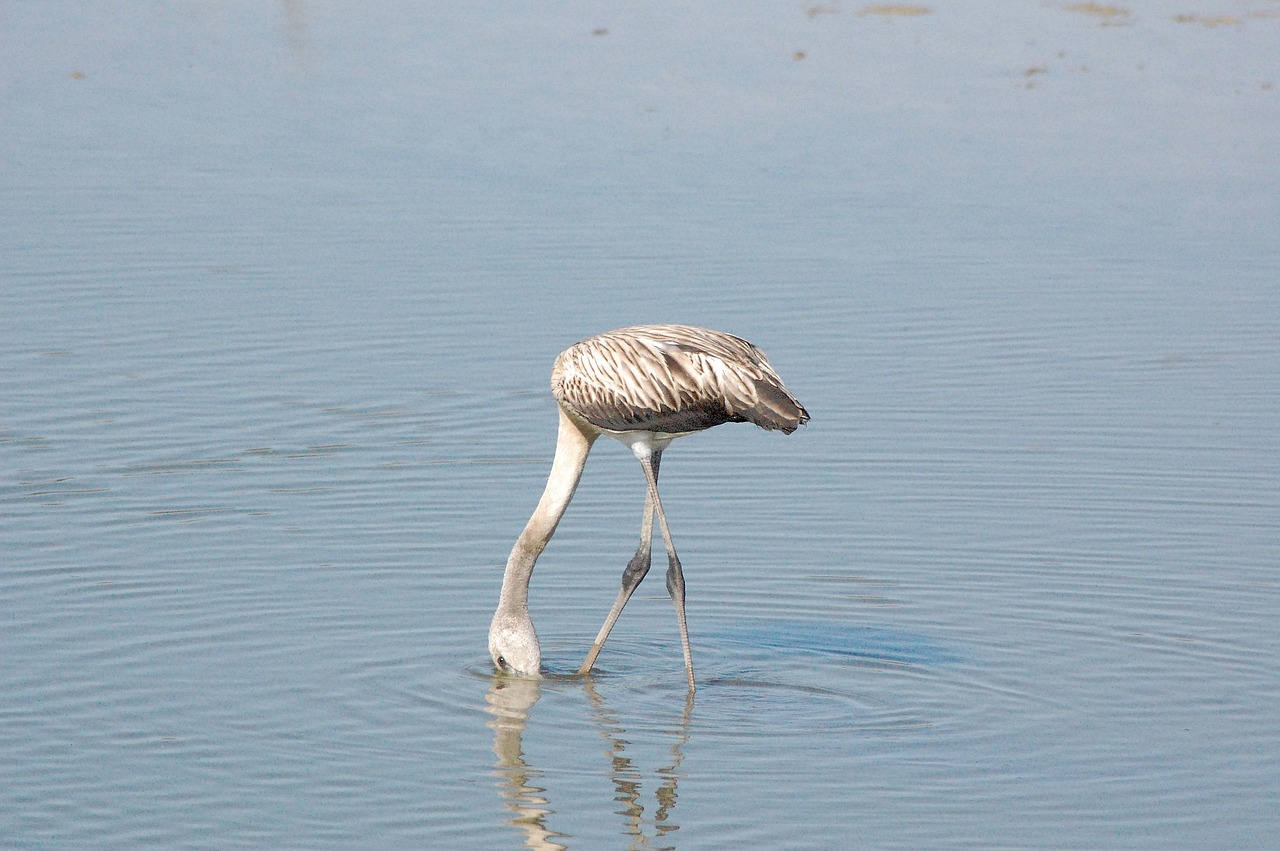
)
(510, 700)
(627, 778)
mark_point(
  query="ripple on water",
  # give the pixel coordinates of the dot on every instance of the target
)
(775, 678)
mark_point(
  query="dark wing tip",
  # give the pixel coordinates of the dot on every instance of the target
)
(776, 409)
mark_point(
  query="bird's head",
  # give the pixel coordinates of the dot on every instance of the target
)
(513, 644)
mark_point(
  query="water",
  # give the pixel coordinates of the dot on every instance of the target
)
(280, 286)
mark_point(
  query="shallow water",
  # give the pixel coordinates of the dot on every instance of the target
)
(280, 287)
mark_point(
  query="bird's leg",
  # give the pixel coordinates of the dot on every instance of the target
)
(675, 575)
(632, 576)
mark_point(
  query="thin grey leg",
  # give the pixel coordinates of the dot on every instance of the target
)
(634, 573)
(675, 574)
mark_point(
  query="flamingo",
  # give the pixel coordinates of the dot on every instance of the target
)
(643, 386)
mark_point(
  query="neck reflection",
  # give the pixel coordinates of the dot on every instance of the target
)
(510, 701)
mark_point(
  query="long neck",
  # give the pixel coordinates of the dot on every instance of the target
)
(572, 445)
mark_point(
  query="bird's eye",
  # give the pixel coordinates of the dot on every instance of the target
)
(502, 662)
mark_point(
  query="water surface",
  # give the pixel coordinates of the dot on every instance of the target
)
(280, 286)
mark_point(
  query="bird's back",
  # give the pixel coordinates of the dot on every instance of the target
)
(672, 379)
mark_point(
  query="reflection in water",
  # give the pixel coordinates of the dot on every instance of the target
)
(509, 701)
(295, 35)
(627, 778)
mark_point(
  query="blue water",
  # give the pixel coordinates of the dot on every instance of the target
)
(280, 286)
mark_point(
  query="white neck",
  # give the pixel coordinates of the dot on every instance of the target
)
(572, 445)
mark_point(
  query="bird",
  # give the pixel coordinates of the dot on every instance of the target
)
(643, 386)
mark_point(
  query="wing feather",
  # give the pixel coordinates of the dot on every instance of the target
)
(673, 379)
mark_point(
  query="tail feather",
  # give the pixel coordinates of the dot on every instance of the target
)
(776, 409)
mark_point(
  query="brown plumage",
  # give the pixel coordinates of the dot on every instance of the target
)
(643, 386)
(672, 379)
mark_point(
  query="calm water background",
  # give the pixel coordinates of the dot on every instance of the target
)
(280, 285)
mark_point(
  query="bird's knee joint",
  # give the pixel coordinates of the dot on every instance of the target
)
(675, 581)
(635, 571)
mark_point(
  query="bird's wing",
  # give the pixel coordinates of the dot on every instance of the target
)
(672, 379)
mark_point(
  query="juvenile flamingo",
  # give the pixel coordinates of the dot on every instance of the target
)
(644, 386)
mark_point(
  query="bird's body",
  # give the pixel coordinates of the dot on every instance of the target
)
(671, 379)
(643, 386)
